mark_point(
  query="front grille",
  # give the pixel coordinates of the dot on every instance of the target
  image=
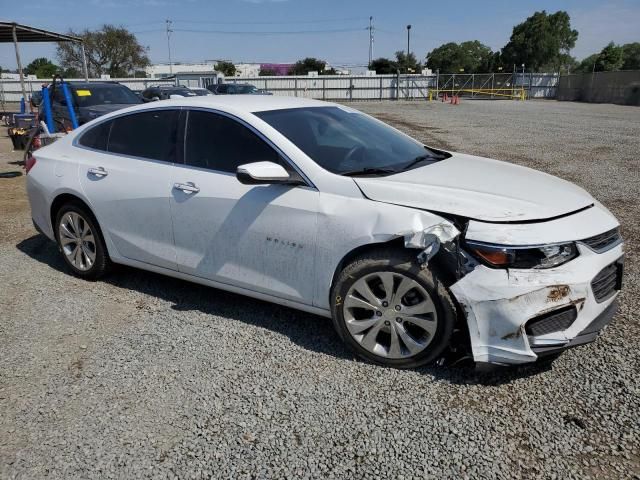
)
(607, 282)
(555, 321)
(604, 241)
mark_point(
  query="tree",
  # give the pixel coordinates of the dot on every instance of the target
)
(42, 68)
(611, 58)
(407, 64)
(309, 64)
(564, 64)
(383, 66)
(540, 40)
(71, 73)
(587, 64)
(631, 55)
(228, 69)
(111, 50)
(267, 72)
(469, 57)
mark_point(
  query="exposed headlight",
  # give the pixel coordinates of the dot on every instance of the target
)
(544, 256)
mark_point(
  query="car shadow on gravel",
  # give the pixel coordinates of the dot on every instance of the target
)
(308, 331)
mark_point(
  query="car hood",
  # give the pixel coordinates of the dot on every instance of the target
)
(478, 188)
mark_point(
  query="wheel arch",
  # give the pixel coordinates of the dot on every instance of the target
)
(64, 198)
(397, 242)
(445, 269)
(67, 197)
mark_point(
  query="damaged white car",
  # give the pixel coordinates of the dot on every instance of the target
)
(412, 251)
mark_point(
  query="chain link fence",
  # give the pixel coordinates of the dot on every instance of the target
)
(350, 88)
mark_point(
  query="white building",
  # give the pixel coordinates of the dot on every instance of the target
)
(16, 76)
(247, 69)
(161, 70)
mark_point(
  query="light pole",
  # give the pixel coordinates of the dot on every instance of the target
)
(408, 40)
(169, 31)
(370, 40)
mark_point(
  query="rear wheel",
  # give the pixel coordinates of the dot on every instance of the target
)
(81, 242)
(391, 311)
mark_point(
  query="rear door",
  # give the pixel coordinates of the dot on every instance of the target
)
(125, 171)
(259, 237)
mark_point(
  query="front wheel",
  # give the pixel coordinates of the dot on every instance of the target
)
(392, 312)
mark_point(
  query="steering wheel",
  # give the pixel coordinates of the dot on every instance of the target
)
(351, 154)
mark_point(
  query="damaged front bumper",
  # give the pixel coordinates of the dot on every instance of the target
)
(516, 316)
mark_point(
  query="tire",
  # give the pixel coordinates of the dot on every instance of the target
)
(91, 260)
(398, 342)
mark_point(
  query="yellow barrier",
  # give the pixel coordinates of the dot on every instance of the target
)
(519, 93)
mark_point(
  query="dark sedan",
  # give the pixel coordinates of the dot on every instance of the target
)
(90, 100)
(236, 89)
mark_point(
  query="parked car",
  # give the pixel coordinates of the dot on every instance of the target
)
(164, 92)
(90, 100)
(411, 250)
(236, 89)
(201, 92)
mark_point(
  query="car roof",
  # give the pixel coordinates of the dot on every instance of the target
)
(93, 84)
(170, 87)
(255, 103)
(241, 103)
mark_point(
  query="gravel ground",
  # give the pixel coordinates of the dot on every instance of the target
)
(145, 376)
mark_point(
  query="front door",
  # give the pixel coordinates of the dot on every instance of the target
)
(128, 182)
(259, 237)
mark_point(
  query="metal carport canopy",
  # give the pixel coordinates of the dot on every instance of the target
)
(11, 32)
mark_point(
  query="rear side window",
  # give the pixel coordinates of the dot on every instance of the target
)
(221, 143)
(150, 135)
(96, 137)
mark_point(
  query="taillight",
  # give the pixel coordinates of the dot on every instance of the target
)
(30, 162)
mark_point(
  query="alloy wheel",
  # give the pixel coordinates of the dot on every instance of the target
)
(390, 315)
(77, 241)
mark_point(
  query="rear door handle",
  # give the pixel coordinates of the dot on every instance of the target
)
(188, 187)
(98, 171)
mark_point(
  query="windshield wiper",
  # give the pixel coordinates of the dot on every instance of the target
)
(368, 171)
(422, 158)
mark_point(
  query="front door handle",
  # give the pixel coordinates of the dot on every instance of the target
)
(188, 187)
(98, 172)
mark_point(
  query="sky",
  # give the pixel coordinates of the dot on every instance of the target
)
(333, 30)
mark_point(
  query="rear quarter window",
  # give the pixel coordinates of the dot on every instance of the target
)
(96, 137)
(152, 135)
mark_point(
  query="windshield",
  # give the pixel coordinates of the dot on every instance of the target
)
(348, 142)
(246, 89)
(104, 95)
(183, 92)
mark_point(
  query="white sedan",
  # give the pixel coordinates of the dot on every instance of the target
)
(411, 250)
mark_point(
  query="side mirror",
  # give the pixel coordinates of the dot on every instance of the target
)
(262, 173)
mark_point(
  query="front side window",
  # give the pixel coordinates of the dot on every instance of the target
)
(150, 135)
(244, 89)
(348, 142)
(217, 142)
